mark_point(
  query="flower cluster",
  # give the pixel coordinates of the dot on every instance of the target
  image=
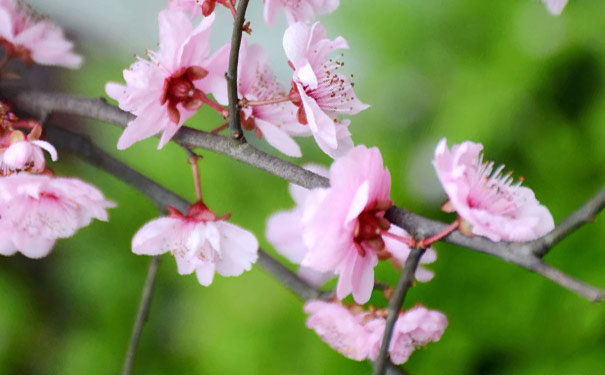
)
(357, 334)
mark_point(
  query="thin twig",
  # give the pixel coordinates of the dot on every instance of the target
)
(405, 282)
(521, 254)
(236, 40)
(142, 315)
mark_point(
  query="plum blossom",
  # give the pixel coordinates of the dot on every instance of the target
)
(490, 202)
(555, 6)
(36, 210)
(167, 90)
(298, 10)
(319, 92)
(357, 334)
(34, 39)
(200, 242)
(26, 155)
(341, 229)
(276, 122)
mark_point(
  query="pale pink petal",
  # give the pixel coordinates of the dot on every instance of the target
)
(279, 139)
(205, 273)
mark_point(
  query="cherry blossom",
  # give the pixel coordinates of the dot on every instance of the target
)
(319, 92)
(490, 202)
(298, 10)
(26, 155)
(200, 242)
(164, 92)
(276, 122)
(342, 230)
(36, 210)
(34, 39)
(555, 6)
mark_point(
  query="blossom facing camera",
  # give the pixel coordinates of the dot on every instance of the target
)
(490, 202)
(34, 39)
(318, 90)
(36, 210)
(298, 10)
(200, 242)
(168, 89)
(555, 6)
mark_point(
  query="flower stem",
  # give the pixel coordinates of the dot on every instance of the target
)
(196, 176)
(251, 103)
(217, 107)
(404, 240)
(439, 236)
(220, 128)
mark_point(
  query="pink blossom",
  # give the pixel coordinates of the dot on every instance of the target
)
(487, 200)
(26, 155)
(414, 328)
(298, 10)
(339, 328)
(36, 210)
(164, 92)
(34, 39)
(317, 89)
(555, 6)
(200, 242)
(276, 122)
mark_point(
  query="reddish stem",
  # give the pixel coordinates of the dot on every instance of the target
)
(439, 236)
(404, 240)
(251, 103)
(196, 177)
(218, 129)
(217, 107)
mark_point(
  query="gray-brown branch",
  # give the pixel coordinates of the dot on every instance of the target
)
(526, 254)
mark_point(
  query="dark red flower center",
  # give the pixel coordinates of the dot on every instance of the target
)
(179, 89)
(370, 226)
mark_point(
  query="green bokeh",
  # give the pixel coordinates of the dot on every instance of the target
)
(527, 85)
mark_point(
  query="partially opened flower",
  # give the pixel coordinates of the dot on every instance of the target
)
(318, 90)
(200, 242)
(166, 91)
(36, 210)
(34, 39)
(490, 202)
(555, 6)
(342, 229)
(277, 121)
(339, 328)
(26, 155)
(298, 10)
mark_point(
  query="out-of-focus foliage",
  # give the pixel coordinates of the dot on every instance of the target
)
(527, 85)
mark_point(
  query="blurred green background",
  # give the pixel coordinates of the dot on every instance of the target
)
(527, 85)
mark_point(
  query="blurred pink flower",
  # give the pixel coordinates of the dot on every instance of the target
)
(193, 7)
(34, 39)
(200, 242)
(26, 155)
(36, 210)
(276, 122)
(317, 89)
(298, 10)
(414, 328)
(487, 200)
(339, 328)
(164, 92)
(555, 6)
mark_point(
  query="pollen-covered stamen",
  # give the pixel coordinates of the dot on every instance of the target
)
(369, 228)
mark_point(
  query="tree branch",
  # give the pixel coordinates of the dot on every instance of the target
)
(522, 254)
(236, 40)
(405, 282)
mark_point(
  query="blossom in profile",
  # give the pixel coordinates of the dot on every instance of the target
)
(341, 229)
(298, 10)
(200, 242)
(489, 201)
(318, 90)
(275, 122)
(36, 210)
(34, 39)
(339, 328)
(555, 6)
(26, 155)
(166, 90)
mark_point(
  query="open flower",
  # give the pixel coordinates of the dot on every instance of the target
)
(298, 10)
(34, 39)
(555, 6)
(164, 92)
(319, 92)
(341, 229)
(26, 155)
(490, 202)
(36, 210)
(200, 242)
(276, 122)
